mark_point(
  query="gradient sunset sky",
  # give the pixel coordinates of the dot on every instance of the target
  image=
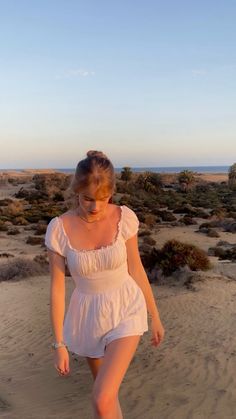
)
(150, 83)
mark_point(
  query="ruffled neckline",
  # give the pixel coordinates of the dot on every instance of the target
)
(101, 248)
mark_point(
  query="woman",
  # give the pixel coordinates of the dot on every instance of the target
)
(107, 313)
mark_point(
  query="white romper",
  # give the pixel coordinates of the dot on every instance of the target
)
(107, 302)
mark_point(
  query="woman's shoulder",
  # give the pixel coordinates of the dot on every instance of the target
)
(114, 207)
(127, 212)
(122, 212)
(130, 222)
(67, 213)
(54, 237)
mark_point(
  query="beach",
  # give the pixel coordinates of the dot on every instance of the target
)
(191, 375)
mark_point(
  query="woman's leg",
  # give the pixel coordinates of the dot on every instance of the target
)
(111, 372)
(94, 365)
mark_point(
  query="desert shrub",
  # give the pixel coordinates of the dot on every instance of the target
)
(232, 214)
(170, 199)
(135, 201)
(232, 177)
(144, 233)
(3, 226)
(125, 200)
(219, 212)
(40, 228)
(20, 221)
(199, 198)
(15, 208)
(43, 212)
(149, 182)
(149, 220)
(126, 187)
(58, 196)
(21, 268)
(149, 240)
(218, 252)
(32, 196)
(41, 259)
(187, 220)
(175, 254)
(34, 240)
(230, 227)
(210, 224)
(212, 233)
(5, 202)
(167, 215)
(13, 231)
(223, 253)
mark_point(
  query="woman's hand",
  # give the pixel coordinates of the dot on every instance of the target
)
(158, 331)
(61, 361)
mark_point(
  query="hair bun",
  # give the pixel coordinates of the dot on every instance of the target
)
(95, 153)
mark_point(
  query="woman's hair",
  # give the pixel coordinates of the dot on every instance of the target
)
(95, 169)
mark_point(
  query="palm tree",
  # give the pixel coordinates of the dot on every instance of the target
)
(126, 173)
(232, 177)
(186, 180)
(149, 181)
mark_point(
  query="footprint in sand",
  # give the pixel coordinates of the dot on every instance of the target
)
(4, 405)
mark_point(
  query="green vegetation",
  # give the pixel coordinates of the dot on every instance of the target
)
(175, 254)
(20, 268)
(149, 182)
(126, 173)
(186, 180)
(232, 177)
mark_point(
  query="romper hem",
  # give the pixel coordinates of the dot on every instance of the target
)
(138, 333)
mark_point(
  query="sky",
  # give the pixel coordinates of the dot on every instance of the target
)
(149, 83)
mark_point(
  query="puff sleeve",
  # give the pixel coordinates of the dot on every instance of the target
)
(54, 238)
(130, 223)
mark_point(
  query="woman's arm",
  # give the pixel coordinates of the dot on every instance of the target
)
(136, 270)
(57, 293)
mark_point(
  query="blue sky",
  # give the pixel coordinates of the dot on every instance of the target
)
(150, 83)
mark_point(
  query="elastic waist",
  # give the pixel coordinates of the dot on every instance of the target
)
(103, 280)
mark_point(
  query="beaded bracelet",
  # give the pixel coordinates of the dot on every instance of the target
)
(56, 345)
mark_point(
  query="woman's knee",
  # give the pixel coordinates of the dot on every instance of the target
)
(103, 402)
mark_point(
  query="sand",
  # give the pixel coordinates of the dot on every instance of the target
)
(191, 375)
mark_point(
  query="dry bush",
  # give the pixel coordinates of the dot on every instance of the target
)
(149, 240)
(3, 226)
(150, 220)
(34, 240)
(175, 254)
(13, 231)
(15, 208)
(142, 233)
(6, 255)
(21, 268)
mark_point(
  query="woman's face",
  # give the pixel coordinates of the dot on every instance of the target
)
(93, 202)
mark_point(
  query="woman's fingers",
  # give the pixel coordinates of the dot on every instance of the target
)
(155, 340)
(67, 369)
(60, 370)
(61, 362)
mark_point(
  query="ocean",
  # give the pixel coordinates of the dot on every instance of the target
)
(167, 169)
(170, 169)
